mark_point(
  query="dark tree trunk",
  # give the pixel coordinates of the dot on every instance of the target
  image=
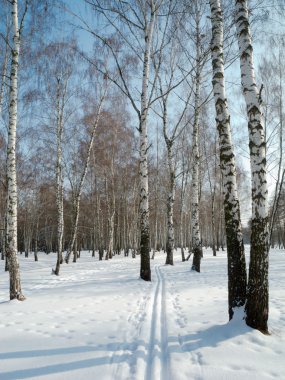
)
(257, 292)
(145, 272)
(75, 251)
(197, 255)
(183, 254)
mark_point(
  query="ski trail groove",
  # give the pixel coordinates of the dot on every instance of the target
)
(158, 357)
(165, 370)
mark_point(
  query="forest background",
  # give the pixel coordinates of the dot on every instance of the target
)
(81, 131)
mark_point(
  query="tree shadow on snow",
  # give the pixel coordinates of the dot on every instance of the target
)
(210, 337)
(119, 353)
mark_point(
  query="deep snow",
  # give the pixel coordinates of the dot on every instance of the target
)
(98, 321)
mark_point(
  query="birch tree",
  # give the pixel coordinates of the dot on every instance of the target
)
(110, 200)
(12, 197)
(185, 168)
(60, 103)
(235, 247)
(195, 209)
(5, 13)
(171, 194)
(256, 307)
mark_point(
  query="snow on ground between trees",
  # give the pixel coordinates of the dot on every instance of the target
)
(98, 320)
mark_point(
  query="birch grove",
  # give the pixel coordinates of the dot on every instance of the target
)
(120, 140)
(257, 290)
(235, 247)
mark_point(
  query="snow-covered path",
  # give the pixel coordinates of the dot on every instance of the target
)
(98, 320)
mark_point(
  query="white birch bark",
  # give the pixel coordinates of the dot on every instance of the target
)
(99, 228)
(170, 205)
(78, 191)
(257, 290)
(112, 216)
(110, 248)
(59, 177)
(235, 247)
(111, 203)
(145, 272)
(182, 196)
(110, 226)
(195, 210)
(12, 195)
(186, 165)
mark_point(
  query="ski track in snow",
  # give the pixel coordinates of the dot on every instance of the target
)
(99, 321)
(157, 362)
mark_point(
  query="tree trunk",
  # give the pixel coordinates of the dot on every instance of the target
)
(213, 224)
(145, 271)
(100, 229)
(59, 178)
(170, 205)
(75, 218)
(195, 212)
(36, 241)
(11, 248)
(181, 227)
(235, 246)
(3, 245)
(75, 249)
(257, 291)
(111, 236)
(182, 196)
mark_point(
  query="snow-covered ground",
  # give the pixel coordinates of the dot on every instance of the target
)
(99, 321)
